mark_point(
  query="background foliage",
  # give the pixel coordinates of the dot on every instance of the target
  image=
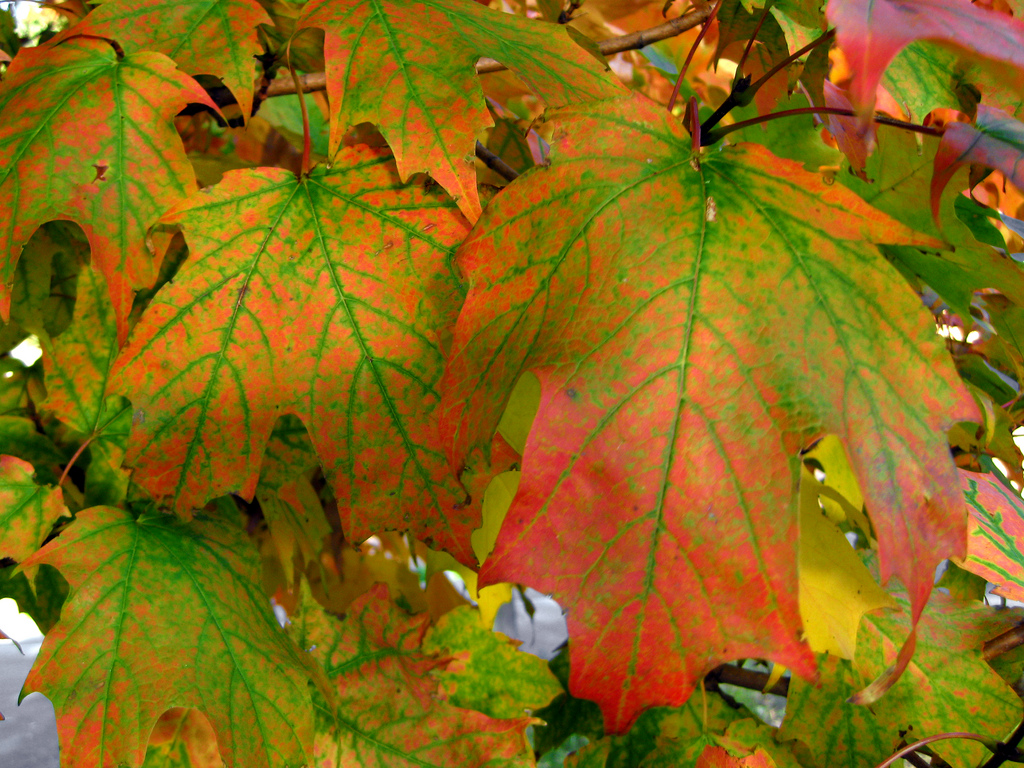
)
(634, 304)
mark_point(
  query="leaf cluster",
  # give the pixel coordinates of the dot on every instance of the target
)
(355, 318)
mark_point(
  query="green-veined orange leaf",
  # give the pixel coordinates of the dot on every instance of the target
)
(114, 178)
(204, 37)
(418, 82)
(329, 297)
(166, 614)
(685, 315)
(27, 510)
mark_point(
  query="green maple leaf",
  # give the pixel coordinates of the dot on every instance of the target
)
(327, 297)
(947, 687)
(685, 315)
(114, 179)
(210, 37)
(924, 76)
(386, 710)
(165, 614)
(418, 82)
(489, 674)
(27, 510)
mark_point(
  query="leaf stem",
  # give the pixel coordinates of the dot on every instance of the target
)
(744, 87)
(989, 743)
(689, 56)
(305, 114)
(317, 81)
(74, 458)
(721, 131)
(753, 37)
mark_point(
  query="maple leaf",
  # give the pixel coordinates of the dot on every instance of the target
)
(328, 297)
(114, 179)
(835, 587)
(996, 524)
(675, 732)
(718, 757)
(212, 37)
(489, 675)
(27, 510)
(995, 140)
(947, 687)
(648, 308)
(418, 81)
(926, 75)
(872, 32)
(386, 711)
(165, 614)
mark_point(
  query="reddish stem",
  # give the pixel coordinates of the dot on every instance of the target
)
(71, 463)
(689, 56)
(793, 57)
(753, 37)
(694, 125)
(305, 115)
(937, 737)
(712, 136)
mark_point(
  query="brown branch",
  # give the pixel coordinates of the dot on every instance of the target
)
(746, 678)
(495, 163)
(317, 81)
(720, 131)
(1005, 643)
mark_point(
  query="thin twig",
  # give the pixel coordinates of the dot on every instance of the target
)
(990, 743)
(723, 130)
(753, 37)
(317, 81)
(495, 163)
(689, 56)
